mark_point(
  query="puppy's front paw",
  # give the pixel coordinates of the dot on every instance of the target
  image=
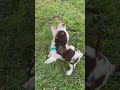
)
(69, 72)
(48, 61)
(49, 55)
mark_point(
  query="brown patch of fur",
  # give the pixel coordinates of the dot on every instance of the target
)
(66, 54)
(61, 38)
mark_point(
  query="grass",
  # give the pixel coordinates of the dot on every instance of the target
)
(16, 42)
(53, 76)
(17, 21)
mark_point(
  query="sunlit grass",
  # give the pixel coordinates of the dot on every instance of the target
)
(53, 76)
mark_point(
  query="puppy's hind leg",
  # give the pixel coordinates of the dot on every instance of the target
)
(69, 72)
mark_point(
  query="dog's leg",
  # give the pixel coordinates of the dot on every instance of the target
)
(50, 60)
(69, 72)
(49, 55)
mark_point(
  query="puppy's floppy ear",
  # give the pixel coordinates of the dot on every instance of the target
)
(54, 30)
(62, 25)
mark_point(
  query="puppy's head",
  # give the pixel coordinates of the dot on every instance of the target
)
(61, 38)
(62, 35)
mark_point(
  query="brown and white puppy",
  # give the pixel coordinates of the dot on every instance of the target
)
(53, 55)
(97, 69)
(67, 52)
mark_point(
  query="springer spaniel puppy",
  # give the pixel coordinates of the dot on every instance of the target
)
(61, 50)
(97, 69)
(53, 55)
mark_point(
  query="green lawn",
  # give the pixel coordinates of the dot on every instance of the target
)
(53, 76)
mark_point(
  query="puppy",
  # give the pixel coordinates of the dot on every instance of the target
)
(97, 69)
(66, 52)
(53, 55)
